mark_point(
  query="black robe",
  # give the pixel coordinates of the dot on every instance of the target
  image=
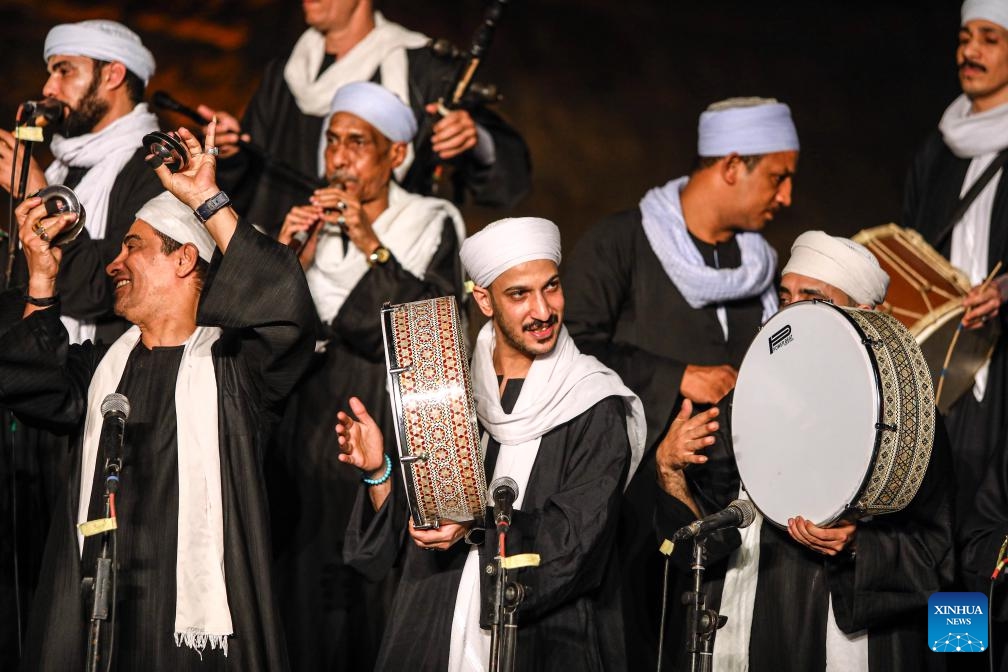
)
(901, 559)
(570, 618)
(332, 615)
(289, 136)
(978, 430)
(257, 294)
(623, 308)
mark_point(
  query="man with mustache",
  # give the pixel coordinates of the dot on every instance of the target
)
(670, 293)
(366, 241)
(967, 151)
(98, 70)
(569, 433)
(348, 41)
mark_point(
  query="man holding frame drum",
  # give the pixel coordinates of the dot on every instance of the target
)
(851, 594)
(559, 423)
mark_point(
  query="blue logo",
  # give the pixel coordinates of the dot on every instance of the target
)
(957, 622)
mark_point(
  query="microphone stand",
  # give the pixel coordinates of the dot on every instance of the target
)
(102, 587)
(702, 623)
(508, 595)
(27, 136)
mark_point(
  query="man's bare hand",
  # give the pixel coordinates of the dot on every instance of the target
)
(340, 209)
(707, 384)
(35, 229)
(685, 437)
(454, 134)
(981, 305)
(440, 539)
(825, 540)
(36, 178)
(361, 442)
(228, 130)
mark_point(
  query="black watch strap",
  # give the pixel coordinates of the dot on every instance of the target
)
(211, 206)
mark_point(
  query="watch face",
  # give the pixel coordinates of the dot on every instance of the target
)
(218, 200)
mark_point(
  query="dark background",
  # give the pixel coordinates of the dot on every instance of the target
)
(606, 92)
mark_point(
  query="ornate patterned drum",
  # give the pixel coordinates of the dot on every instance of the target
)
(926, 294)
(434, 412)
(833, 415)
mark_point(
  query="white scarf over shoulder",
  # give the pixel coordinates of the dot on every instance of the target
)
(559, 387)
(202, 615)
(410, 228)
(104, 154)
(383, 49)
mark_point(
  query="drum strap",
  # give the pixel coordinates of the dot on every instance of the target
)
(967, 199)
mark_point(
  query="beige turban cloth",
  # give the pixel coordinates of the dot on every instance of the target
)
(176, 220)
(840, 262)
(506, 243)
(104, 41)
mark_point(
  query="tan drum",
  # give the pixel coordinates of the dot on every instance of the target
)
(833, 415)
(434, 412)
(926, 294)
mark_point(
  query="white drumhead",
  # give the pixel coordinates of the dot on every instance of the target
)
(804, 414)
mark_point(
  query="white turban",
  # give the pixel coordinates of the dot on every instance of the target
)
(506, 243)
(176, 220)
(840, 262)
(995, 11)
(102, 40)
(377, 106)
(747, 130)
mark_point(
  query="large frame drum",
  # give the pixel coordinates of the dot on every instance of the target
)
(434, 412)
(926, 294)
(833, 415)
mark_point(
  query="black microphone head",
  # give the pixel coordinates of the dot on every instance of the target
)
(163, 100)
(42, 112)
(502, 482)
(746, 510)
(115, 403)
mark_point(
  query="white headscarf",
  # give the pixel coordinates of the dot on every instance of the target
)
(176, 220)
(746, 126)
(102, 40)
(995, 11)
(507, 243)
(377, 106)
(840, 262)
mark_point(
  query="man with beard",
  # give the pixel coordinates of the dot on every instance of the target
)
(366, 241)
(559, 423)
(98, 71)
(670, 294)
(348, 41)
(966, 153)
(849, 596)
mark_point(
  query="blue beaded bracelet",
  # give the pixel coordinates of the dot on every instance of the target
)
(384, 477)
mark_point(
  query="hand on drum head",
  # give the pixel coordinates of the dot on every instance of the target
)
(685, 437)
(360, 440)
(441, 538)
(826, 540)
(707, 384)
(982, 303)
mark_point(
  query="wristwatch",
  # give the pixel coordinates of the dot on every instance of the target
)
(212, 206)
(380, 255)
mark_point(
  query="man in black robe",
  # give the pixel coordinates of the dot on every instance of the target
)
(97, 72)
(370, 242)
(560, 424)
(670, 294)
(219, 339)
(348, 41)
(852, 596)
(972, 136)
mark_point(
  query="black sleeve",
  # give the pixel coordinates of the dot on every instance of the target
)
(597, 283)
(358, 323)
(257, 292)
(901, 558)
(982, 531)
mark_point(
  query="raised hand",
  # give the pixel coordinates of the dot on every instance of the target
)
(35, 229)
(228, 132)
(360, 440)
(707, 384)
(453, 134)
(198, 181)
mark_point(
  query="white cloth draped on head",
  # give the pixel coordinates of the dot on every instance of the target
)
(377, 106)
(848, 266)
(506, 243)
(176, 220)
(995, 11)
(383, 50)
(202, 614)
(104, 41)
(103, 154)
(748, 131)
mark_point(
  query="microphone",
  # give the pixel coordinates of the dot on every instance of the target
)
(502, 494)
(41, 112)
(739, 513)
(115, 409)
(164, 100)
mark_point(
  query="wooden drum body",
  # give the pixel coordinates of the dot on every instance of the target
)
(434, 412)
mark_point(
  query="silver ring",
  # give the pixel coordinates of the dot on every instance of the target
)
(341, 221)
(213, 151)
(341, 206)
